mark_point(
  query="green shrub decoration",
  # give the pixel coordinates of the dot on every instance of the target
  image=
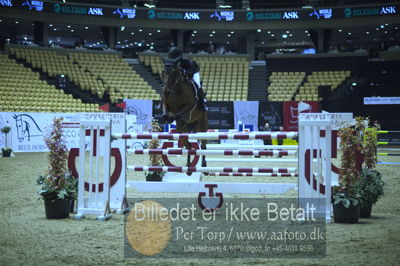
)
(59, 182)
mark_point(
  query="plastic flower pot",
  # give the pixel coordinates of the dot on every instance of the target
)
(57, 208)
(366, 209)
(6, 153)
(341, 214)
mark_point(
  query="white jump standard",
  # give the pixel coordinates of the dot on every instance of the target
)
(96, 198)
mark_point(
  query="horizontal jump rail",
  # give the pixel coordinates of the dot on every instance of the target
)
(207, 136)
(184, 169)
(253, 147)
(390, 163)
(254, 174)
(223, 130)
(388, 154)
(252, 160)
(388, 142)
(388, 131)
(213, 152)
(388, 149)
(189, 187)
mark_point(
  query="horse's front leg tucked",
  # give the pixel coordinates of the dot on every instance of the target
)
(187, 145)
(167, 117)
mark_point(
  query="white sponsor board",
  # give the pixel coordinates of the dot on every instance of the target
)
(246, 113)
(29, 129)
(338, 119)
(381, 100)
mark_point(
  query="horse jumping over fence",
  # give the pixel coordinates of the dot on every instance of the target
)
(180, 103)
(314, 168)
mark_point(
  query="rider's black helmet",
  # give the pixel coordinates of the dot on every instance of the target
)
(174, 53)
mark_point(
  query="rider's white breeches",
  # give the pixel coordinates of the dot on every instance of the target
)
(196, 78)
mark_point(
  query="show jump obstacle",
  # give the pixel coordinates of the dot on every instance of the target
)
(101, 191)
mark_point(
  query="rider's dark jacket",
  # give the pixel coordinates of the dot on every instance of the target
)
(189, 66)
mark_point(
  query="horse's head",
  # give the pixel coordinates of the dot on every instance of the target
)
(19, 125)
(171, 69)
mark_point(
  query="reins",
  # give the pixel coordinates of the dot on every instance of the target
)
(172, 88)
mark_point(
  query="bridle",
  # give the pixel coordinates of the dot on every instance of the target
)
(177, 69)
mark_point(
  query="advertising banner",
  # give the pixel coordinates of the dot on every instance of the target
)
(220, 115)
(292, 109)
(381, 100)
(143, 109)
(246, 113)
(270, 112)
(29, 129)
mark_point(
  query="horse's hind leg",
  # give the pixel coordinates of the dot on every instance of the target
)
(188, 146)
(203, 157)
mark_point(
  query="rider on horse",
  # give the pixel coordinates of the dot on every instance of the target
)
(190, 69)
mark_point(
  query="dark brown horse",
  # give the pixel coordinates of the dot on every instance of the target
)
(180, 103)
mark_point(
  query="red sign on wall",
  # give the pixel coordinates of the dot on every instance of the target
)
(292, 109)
